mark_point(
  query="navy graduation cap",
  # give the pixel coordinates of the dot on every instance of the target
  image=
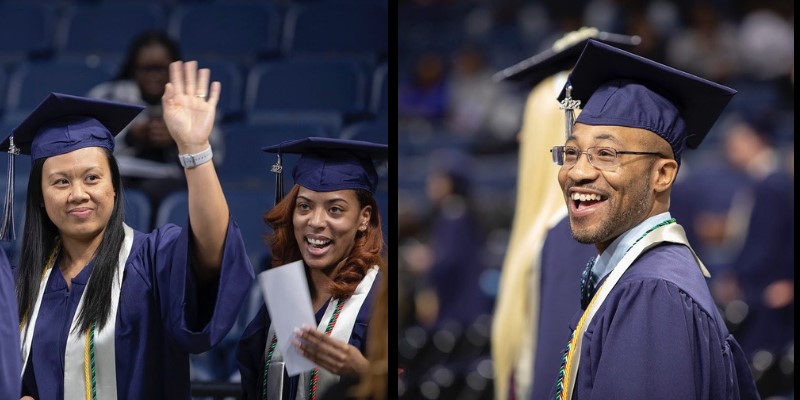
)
(561, 56)
(623, 89)
(58, 125)
(329, 164)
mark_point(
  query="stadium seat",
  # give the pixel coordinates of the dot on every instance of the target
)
(174, 209)
(105, 30)
(249, 167)
(138, 210)
(230, 75)
(25, 29)
(238, 31)
(372, 131)
(247, 209)
(357, 28)
(331, 89)
(379, 102)
(31, 82)
(3, 83)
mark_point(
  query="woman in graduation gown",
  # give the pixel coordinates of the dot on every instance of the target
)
(107, 312)
(330, 220)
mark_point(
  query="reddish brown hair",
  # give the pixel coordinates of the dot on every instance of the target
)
(349, 272)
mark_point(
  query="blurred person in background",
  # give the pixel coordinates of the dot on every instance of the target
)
(476, 105)
(457, 240)
(425, 95)
(762, 274)
(146, 153)
(708, 46)
(540, 288)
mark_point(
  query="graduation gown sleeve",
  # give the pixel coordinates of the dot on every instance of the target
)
(164, 315)
(10, 360)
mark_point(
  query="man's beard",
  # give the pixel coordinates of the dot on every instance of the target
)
(628, 217)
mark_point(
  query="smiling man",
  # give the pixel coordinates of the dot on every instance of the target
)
(649, 328)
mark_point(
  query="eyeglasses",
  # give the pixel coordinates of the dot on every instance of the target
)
(604, 158)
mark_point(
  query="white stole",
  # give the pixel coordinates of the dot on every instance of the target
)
(672, 233)
(341, 331)
(104, 350)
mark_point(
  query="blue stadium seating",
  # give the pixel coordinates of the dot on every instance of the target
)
(238, 31)
(372, 131)
(138, 210)
(25, 29)
(356, 28)
(246, 207)
(329, 89)
(31, 82)
(105, 29)
(3, 83)
(246, 166)
(174, 209)
(230, 75)
(379, 103)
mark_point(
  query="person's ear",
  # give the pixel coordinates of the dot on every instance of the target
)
(664, 173)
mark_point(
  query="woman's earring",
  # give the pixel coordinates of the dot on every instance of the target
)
(362, 228)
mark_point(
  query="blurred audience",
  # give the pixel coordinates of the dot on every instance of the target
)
(763, 270)
(424, 96)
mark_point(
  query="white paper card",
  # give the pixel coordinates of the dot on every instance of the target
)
(285, 291)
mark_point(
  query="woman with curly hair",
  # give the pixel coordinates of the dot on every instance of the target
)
(330, 220)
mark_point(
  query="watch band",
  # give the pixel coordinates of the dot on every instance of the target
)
(193, 160)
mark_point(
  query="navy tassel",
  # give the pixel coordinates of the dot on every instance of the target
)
(277, 168)
(7, 228)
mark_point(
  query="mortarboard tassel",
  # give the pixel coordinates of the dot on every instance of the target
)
(569, 106)
(277, 168)
(7, 228)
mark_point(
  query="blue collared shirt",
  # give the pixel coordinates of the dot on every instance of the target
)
(612, 255)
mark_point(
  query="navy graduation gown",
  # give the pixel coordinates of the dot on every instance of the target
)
(162, 316)
(457, 243)
(658, 335)
(250, 354)
(10, 360)
(562, 262)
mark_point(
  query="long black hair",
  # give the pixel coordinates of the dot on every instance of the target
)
(39, 238)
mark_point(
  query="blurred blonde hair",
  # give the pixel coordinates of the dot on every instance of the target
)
(372, 384)
(539, 198)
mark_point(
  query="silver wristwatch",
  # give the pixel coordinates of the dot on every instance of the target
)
(193, 160)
